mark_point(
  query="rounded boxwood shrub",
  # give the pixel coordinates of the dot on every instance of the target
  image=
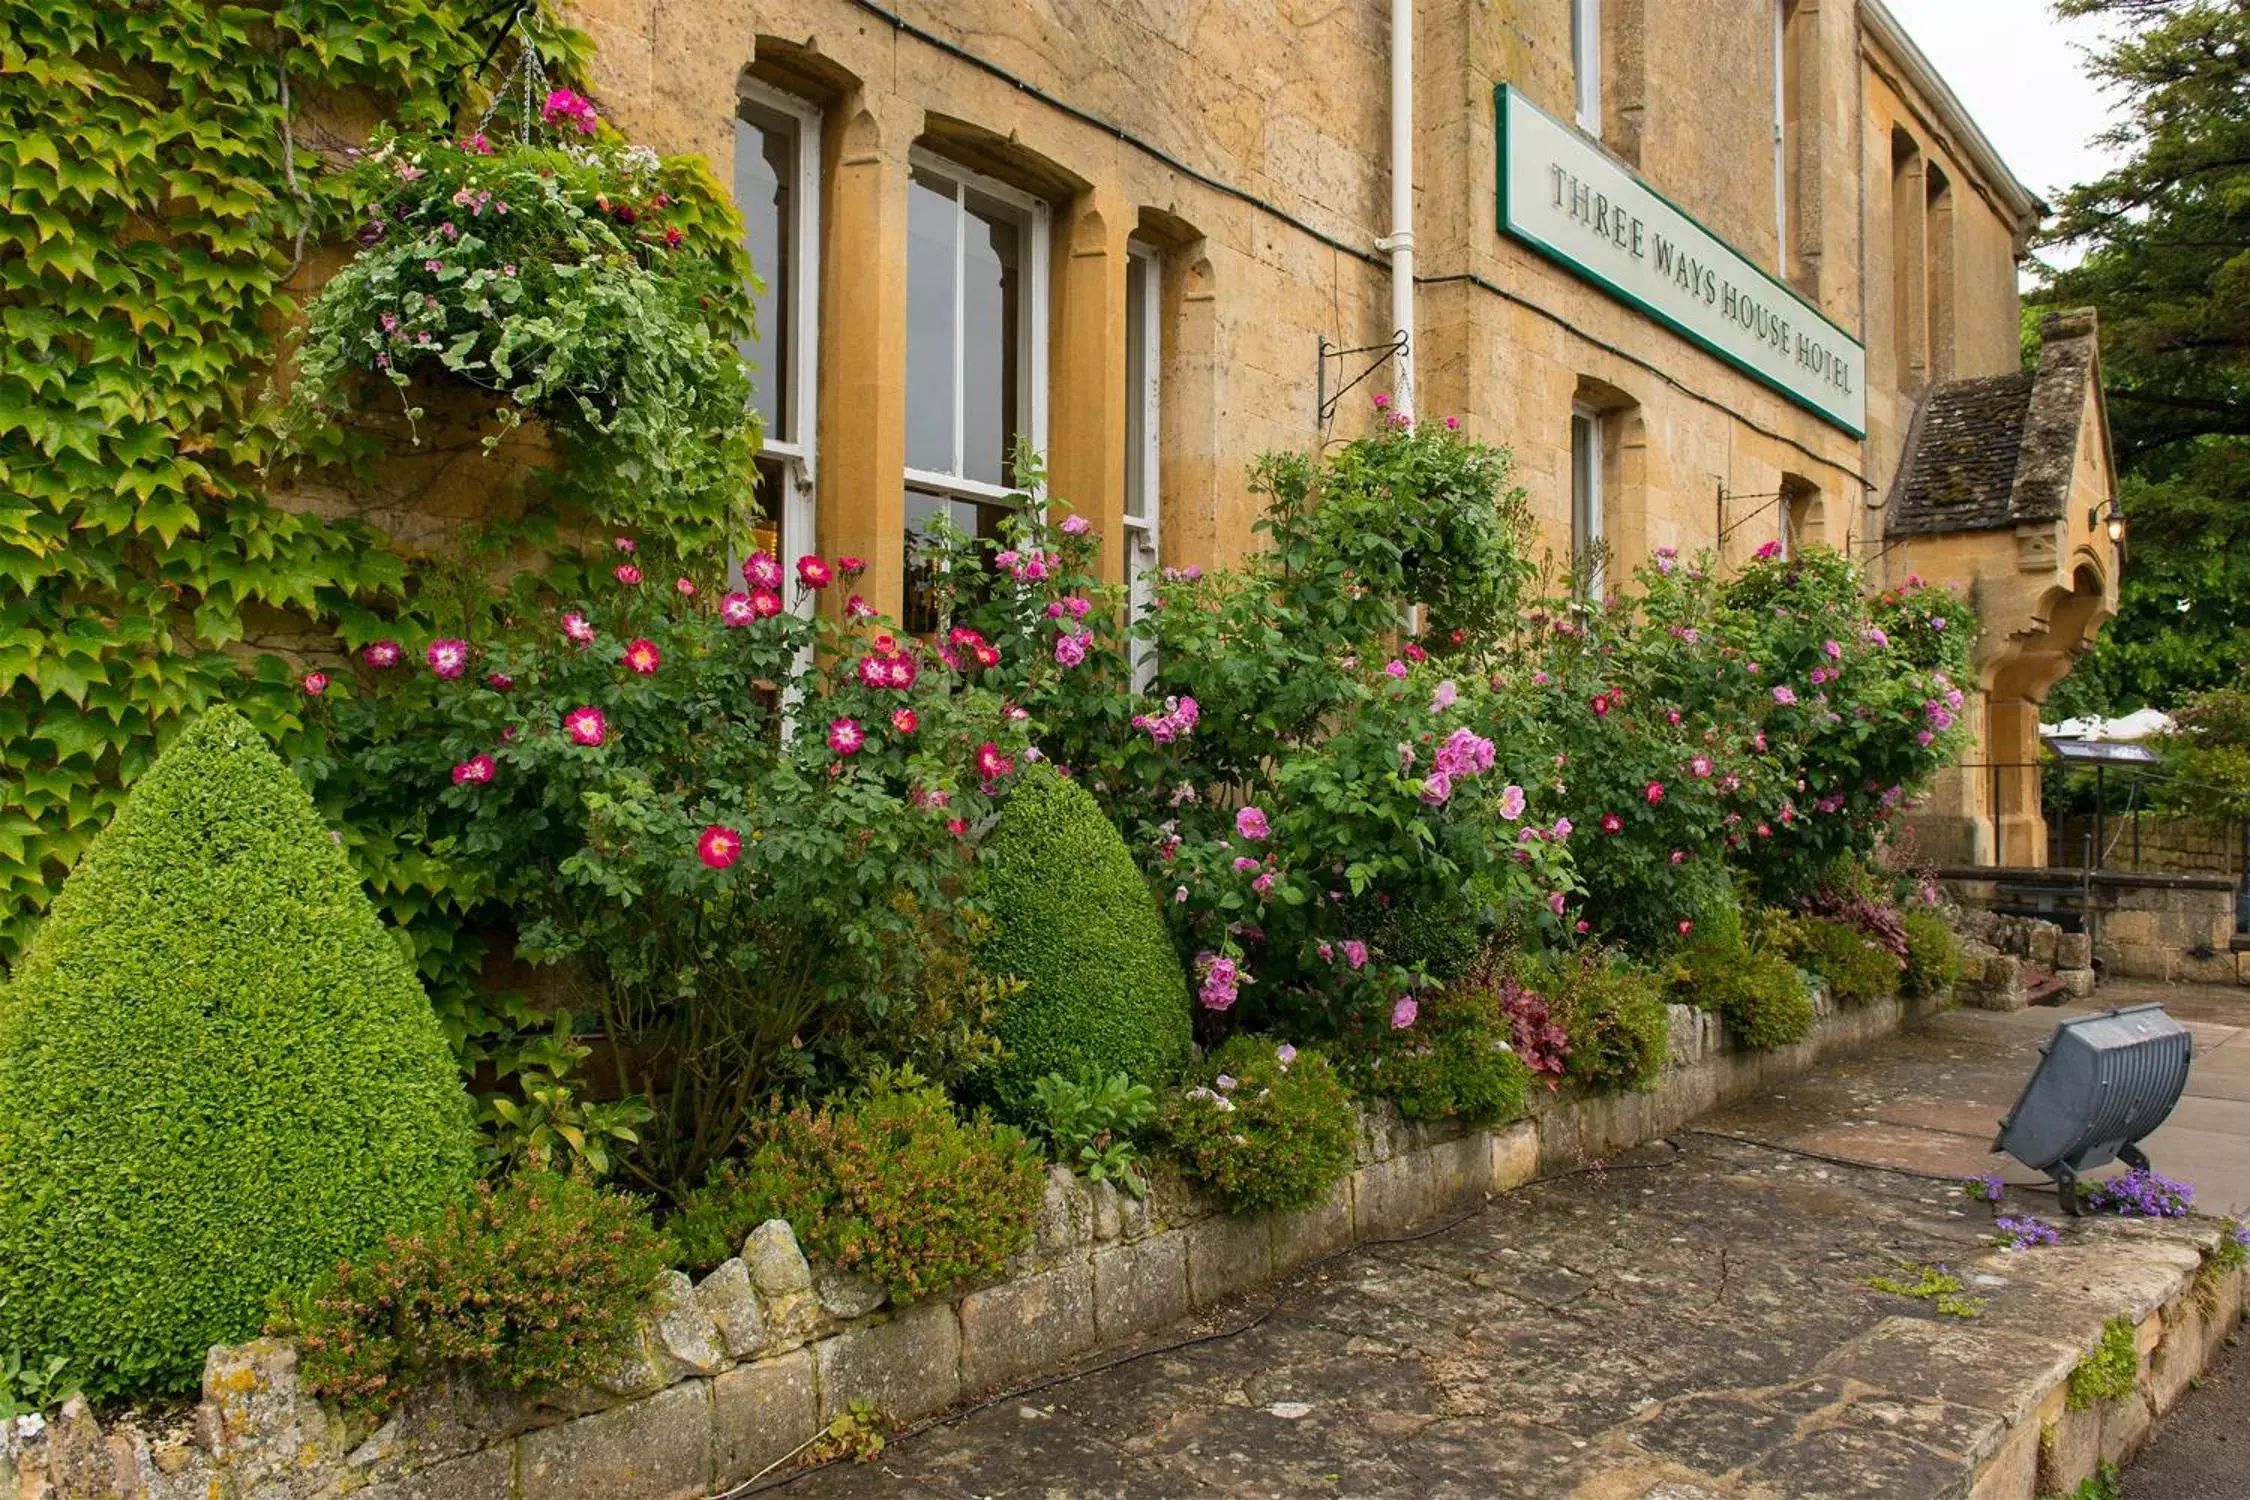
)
(894, 1186)
(1268, 1125)
(1933, 956)
(1619, 1033)
(1073, 920)
(1758, 994)
(218, 1076)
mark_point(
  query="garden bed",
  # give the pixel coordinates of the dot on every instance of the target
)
(743, 1372)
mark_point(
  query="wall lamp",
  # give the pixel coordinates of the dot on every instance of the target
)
(2103, 1084)
(2114, 515)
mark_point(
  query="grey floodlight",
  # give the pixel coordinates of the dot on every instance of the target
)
(2103, 1084)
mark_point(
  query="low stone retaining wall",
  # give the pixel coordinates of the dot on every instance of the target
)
(2170, 927)
(2162, 1277)
(742, 1370)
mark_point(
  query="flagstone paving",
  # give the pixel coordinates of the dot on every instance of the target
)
(1693, 1321)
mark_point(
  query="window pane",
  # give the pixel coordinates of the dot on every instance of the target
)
(932, 373)
(991, 306)
(1139, 278)
(765, 172)
(769, 532)
(1582, 482)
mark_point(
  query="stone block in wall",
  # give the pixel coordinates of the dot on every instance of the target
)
(2139, 960)
(1066, 1216)
(1460, 1171)
(908, 1365)
(687, 1341)
(2042, 944)
(1141, 1286)
(1382, 1133)
(729, 1299)
(2221, 967)
(1020, 1328)
(847, 1294)
(634, 1369)
(2129, 928)
(256, 1421)
(2074, 950)
(778, 1268)
(1388, 1196)
(2077, 983)
(761, 1413)
(1306, 1234)
(1227, 1254)
(1515, 1156)
(488, 1474)
(2071, 1449)
(2001, 987)
(78, 1459)
(658, 1448)
(1118, 1214)
(1174, 1202)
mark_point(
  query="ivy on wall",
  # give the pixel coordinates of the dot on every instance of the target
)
(158, 194)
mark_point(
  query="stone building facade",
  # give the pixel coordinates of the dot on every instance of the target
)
(1711, 269)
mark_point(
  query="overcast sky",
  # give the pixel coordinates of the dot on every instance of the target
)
(2022, 74)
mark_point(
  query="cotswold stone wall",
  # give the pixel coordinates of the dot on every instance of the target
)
(737, 1373)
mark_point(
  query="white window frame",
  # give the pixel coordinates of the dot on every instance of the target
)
(1589, 543)
(1031, 329)
(1144, 286)
(1586, 64)
(799, 517)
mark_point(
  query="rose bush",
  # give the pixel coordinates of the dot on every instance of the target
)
(738, 833)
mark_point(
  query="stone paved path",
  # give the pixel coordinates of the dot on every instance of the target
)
(1691, 1322)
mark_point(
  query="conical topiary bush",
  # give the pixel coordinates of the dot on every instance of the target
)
(218, 1076)
(1073, 920)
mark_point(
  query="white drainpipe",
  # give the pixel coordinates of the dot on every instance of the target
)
(1400, 244)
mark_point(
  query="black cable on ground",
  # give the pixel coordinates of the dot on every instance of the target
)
(759, 1484)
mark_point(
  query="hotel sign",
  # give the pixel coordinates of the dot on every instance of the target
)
(1561, 196)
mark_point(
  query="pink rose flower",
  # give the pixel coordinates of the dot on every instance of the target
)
(474, 771)
(813, 573)
(845, 737)
(315, 683)
(904, 721)
(643, 657)
(628, 575)
(760, 570)
(577, 631)
(735, 610)
(1251, 824)
(719, 847)
(587, 726)
(382, 655)
(1403, 1013)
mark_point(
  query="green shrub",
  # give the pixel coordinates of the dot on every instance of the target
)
(1758, 993)
(1933, 956)
(1270, 1127)
(1619, 1033)
(528, 1285)
(1442, 938)
(218, 1076)
(1092, 1125)
(894, 1186)
(2109, 1370)
(1855, 969)
(1072, 919)
(1455, 1062)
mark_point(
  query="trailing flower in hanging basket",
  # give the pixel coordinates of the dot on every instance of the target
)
(590, 286)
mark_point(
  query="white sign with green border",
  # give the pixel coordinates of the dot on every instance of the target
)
(1564, 198)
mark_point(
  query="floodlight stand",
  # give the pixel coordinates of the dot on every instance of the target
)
(2066, 1177)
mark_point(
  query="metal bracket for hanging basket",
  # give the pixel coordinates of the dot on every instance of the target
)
(1395, 348)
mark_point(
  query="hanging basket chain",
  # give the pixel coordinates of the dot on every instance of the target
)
(527, 80)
